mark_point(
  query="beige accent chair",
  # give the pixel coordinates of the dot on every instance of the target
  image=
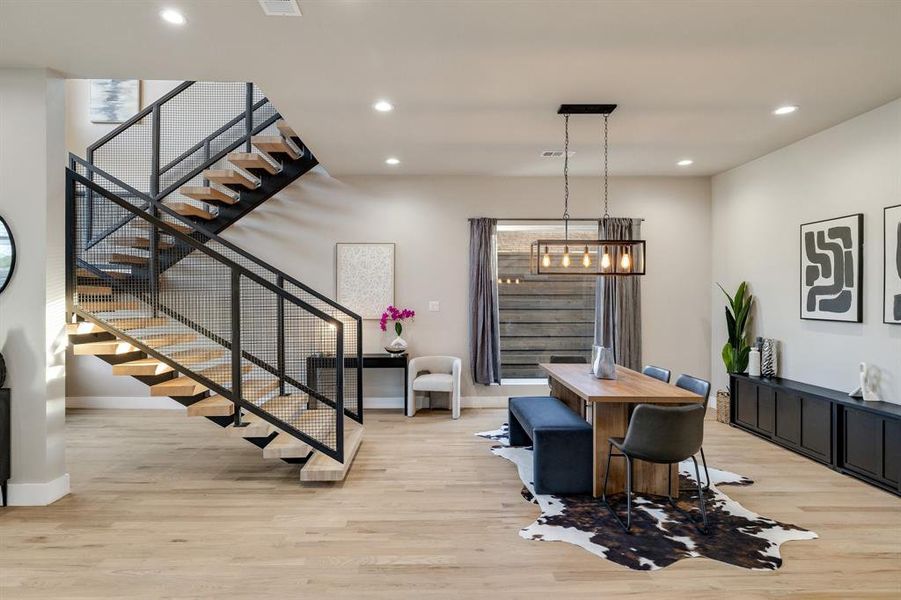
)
(434, 374)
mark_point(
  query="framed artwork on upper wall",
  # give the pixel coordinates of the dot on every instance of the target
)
(891, 307)
(114, 100)
(832, 269)
(364, 277)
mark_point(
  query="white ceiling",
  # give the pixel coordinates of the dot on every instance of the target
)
(477, 84)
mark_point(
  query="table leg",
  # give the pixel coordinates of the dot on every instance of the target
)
(406, 400)
(611, 419)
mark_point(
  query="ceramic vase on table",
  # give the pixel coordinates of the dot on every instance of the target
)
(769, 350)
(603, 365)
(398, 345)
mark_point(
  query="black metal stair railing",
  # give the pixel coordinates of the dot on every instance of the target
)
(212, 316)
(104, 256)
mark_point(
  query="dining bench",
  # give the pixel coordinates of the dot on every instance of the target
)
(561, 440)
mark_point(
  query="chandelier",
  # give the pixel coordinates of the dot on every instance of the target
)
(606, 255)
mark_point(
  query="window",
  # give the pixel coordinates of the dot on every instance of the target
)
(541, 315)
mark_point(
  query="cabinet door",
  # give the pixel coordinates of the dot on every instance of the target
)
(766, 408)
(892, 469)
(746, 403)
(816, 428)
(863, 442)
(788, 418)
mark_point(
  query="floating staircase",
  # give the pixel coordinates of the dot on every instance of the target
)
(157, 294)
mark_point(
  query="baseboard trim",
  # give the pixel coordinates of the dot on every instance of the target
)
(122, 402)
(38, 494)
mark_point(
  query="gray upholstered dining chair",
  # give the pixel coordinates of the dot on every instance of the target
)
(657, 373)
(662, 435)
(700, 387)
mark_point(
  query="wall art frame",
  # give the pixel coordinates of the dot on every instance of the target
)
(831, 269)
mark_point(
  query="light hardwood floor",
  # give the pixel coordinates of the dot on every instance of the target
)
(169, 507)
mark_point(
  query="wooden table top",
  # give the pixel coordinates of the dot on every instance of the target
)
(630, 386)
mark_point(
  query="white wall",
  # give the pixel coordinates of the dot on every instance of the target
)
(426, 217)
(32, 307)
(80, 132)
(757, 210)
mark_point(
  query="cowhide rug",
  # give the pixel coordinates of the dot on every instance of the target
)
(660, 535)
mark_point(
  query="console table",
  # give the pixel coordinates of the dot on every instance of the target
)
(378, 360)
(5, 463)
(857, 438)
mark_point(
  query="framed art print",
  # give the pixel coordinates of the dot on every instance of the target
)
(114, 100)
(832, 269)
(364, 277)
(891, 287)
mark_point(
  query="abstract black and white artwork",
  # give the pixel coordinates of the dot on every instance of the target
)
(892, 303)
(114, 100)
(831, 269)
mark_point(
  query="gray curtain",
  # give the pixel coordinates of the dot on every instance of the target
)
(617, 304)
(484, 319)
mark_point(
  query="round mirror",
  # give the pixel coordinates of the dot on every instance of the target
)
(7, 254)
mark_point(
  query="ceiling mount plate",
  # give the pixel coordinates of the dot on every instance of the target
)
(586, 109)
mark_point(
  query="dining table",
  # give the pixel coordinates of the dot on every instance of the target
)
(608, 405)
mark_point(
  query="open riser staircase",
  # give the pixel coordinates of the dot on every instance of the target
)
(159, 295)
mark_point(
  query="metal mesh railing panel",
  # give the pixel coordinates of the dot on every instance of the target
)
(185, 314)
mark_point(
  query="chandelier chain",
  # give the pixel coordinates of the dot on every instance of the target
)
(566, 176)
(606, 147)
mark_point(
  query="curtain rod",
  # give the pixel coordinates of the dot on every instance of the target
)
(595, 220)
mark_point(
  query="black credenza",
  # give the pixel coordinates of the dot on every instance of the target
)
(5, 462)
(861, 439)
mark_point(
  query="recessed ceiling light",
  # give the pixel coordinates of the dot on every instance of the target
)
(685, 162)
(785, 110)
(392, 161)
(383, 106)
(170, 15)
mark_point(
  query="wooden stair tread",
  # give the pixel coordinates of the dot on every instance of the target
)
(101, 306)
(104, 348)
(186, 229)
(83, 327)
(88, 274)
(143, 243)
(255, 427)
(143, 367)
(180, 386)
(286, 446)
(255, 389)
(284, 128)
(167, 339)
(207, 194)
(276, 143)
(127, 323)
(323, 468)
(213, 406)
(230, 177)
(119, 258)
(254, 160)
(190, 210)
(197, 355)
(94, 290)
(280, 404)
(222, 374)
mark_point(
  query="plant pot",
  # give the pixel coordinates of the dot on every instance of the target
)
(723, 404)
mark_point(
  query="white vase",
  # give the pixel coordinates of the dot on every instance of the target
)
(397, 346)
(602, 365)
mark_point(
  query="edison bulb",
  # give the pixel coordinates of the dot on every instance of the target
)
(626, 261)
(565, 262)
(586, 258)
(605, 260)
(546, 259)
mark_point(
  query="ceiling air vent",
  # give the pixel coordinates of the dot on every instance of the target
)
(554, 154)
(280, 8)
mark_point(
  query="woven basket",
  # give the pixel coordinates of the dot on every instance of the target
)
(722, 406)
